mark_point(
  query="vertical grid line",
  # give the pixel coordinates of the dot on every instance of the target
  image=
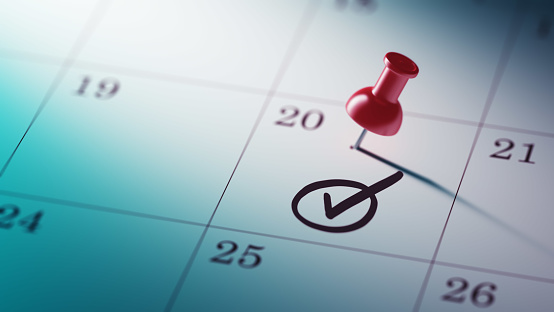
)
(298, 37)
(509, 43)
(94, 19)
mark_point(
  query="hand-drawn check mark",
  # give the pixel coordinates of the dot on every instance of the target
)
(333, 211)
(363, 194)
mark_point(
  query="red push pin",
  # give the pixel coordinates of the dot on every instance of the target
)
(377, 108)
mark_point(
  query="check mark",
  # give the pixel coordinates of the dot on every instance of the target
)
(333, 211)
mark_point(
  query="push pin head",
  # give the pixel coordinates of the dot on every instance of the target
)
(377, 108)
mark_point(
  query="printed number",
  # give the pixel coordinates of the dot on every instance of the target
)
(30, 222)
(106, 88)
(481, 295)
(500, 152)
(248, 260)
(456, 295)
(360, 5)
(221, 257)
(8, 214)
(311, 120)
(543, 29)
(508, 146)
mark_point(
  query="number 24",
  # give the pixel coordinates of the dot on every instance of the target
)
(9, 213)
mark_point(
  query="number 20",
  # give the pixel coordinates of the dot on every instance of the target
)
(291, 112)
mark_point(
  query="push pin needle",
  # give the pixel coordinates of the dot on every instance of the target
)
(454, 195)
(377, 108)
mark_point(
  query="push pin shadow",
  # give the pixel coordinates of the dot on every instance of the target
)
(377, 108)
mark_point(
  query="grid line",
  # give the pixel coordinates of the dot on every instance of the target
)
(509, 43)
(390, 255)
(100, 208)
(206, 83)
(279, 237)
(97, 14)
(72, 63)
(297, 39)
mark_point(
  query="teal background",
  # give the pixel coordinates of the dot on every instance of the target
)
(128, 185)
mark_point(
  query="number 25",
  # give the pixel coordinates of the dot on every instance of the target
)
(248, 260)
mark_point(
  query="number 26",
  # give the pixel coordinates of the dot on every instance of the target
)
(481, 296)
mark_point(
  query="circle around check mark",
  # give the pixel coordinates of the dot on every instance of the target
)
(364, 193)
(330, 183)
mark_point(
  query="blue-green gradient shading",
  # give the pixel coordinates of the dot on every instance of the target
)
(211, 110)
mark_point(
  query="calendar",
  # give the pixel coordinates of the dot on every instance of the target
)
(197, 156)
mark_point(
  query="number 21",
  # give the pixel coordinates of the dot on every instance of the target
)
(503, 153)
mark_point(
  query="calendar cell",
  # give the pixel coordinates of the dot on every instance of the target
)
(137, 144)
(84, 260)
(507, 226)
(283, 160)
(235, 42)
(524, 97)
(454, 289)
(169, 155)
(18, 103)
(446, 85)
(43, 28)
(296, 276)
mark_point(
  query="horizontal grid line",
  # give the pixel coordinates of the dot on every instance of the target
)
(390, 255)
(296, 40)
(496, 272)
(361, 250)
(64, 202)
(520, 130)
(167, 77)
(99, 208)
(175, 78)
(24, 56)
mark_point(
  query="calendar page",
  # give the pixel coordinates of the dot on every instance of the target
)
(197, 156)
